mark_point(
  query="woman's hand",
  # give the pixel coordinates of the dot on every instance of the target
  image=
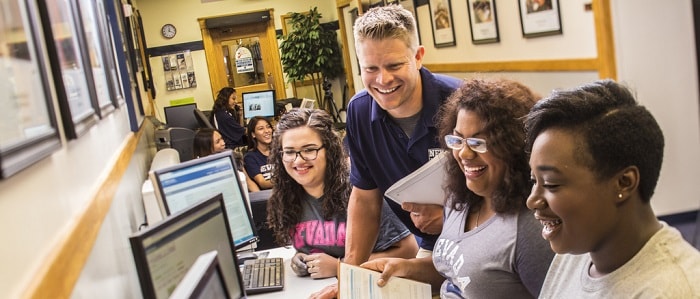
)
(321, 265)
(298, 265)
(328, 292)
(389, 267)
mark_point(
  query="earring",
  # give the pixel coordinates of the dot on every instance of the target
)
(619, 195)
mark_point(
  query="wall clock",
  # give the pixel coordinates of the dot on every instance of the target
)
(168, 31)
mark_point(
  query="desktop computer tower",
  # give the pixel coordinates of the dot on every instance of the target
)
(180, 139)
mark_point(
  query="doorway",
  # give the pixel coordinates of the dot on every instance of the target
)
(242, 52)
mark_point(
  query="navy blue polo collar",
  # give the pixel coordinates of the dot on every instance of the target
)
(429, 107)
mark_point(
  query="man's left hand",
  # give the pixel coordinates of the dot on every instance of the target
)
(426, 217)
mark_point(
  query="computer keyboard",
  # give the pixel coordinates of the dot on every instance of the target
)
(263, 275)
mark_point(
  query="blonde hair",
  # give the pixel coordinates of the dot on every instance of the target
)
(384, 22)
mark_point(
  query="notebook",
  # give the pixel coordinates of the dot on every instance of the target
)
(424, 185)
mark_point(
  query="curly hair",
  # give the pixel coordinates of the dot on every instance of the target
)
(284, 208)
(221, 103)
(615, 131)
(252, 142)
(501, 104)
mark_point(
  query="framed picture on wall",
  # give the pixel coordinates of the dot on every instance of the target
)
(482, 21)
(540, 17)
(441, 20)
(410, 6)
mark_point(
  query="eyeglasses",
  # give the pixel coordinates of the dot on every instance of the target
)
(457, 143)
(307, 154)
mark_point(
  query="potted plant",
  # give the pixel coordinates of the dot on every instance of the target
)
(311, 52)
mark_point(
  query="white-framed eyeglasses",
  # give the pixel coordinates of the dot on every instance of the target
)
(306, 154)
(457, 143)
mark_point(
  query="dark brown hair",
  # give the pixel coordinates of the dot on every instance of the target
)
(284, 208)
(500, 104)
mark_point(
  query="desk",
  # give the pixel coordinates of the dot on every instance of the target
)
(294, 286)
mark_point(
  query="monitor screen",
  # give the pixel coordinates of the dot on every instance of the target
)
(180, 186)
(204, 280)
(164, 252)
(181, 116)
(259, 103)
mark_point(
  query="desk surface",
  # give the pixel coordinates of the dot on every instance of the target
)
(294, 286)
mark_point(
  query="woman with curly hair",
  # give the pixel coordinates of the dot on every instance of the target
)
(489, 246)
(311, 186)
(225, 115)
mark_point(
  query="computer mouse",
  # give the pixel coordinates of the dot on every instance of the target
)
(244, 256)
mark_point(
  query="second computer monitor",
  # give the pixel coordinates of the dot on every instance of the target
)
(259, 103)
(165, 252)
(180, 186)
(181, 116)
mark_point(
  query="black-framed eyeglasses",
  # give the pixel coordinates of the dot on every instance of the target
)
(306, 154)
(457, 143)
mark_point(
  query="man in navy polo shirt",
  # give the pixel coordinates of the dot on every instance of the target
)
(390, 127)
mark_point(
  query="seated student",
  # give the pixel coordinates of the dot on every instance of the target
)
(208, 141)
(225, 116)
(311, 186)
(596, 155)
(488, 247)
(255, 160)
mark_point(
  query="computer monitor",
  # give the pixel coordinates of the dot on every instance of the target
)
(204, 280)
(181, 116)
(180, 186)
(163, 253)
(259, 103)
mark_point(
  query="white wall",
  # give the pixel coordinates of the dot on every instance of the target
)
(40, 204)
(655, 45)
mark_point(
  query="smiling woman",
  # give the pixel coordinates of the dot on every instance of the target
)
(596, 156)
(308, 205)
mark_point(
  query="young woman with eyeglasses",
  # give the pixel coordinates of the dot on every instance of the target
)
(311, 186)
(490, 245)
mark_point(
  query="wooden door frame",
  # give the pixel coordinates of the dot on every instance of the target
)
(347, 64)
(213, 52)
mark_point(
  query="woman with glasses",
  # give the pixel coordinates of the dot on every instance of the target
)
(311, 186)
(490, 245)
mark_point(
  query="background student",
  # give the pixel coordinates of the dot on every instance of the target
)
(225, 115)
(308, 204)
(489, 246)
(208, 141)
(596, 155)
(390, 129)
(255, 160)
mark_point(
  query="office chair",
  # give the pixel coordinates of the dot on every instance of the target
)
(181, 139)
(202, 119)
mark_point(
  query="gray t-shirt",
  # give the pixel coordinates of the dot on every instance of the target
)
(505, 257)
(666, 267)
(314, 234)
